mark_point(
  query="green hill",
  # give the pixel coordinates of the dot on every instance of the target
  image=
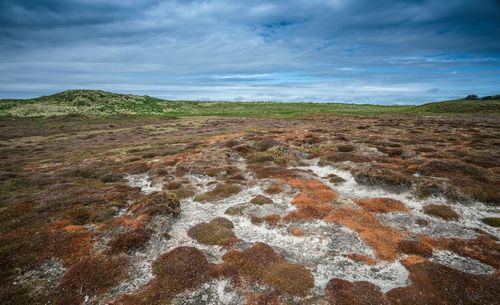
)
(485, 105)
(97, 103)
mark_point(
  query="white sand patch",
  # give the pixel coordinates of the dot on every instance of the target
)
(218, 292)
(144, 182)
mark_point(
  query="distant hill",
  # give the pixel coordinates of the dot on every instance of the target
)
(95, 102)
(488, 104)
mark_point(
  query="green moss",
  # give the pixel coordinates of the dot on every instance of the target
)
(289, 278)
(335, 179)
(492, 221)
(216, 232)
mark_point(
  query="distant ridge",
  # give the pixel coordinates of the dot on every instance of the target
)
(97, 102)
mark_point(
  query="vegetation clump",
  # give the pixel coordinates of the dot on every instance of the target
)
(381, 205)
(274, 188)
(262, 263)
(216, 232)
(161, 203)
(91, 276)
(130, 241)
(442, 211)
(221, 191)
(346, 148)
(335, 179)
(261, 200)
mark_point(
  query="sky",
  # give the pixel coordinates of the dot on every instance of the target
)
(358, 51)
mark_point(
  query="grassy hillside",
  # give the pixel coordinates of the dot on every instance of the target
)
(462, 106)
(92, 102)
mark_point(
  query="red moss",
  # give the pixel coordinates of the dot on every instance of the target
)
(129, 241)
(91, 276)
(342, 292)
(262, 263)
(186, 266)
(484, 248)
(436, 284)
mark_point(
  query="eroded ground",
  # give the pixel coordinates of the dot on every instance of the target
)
(321, 210)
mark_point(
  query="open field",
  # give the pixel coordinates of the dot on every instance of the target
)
(144, 201)
(89, 102)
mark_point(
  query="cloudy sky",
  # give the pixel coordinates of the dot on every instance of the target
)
(374, 51)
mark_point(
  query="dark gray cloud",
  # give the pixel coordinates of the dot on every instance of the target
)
(336, 50)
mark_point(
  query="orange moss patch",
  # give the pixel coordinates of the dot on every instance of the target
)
(262, 263)
(383, 239)
(313, 202)
(410, 260)
(381, 205)
(74, 228)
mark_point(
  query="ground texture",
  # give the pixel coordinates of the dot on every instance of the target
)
(388, 209)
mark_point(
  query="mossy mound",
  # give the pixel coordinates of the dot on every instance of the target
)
(261, 263)
(441, 211)
(221, 191)
(186, 266)
(129, 241)
(160, 203)
(261, 200)
(335, 179)
(216, 232)
(289, 278)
